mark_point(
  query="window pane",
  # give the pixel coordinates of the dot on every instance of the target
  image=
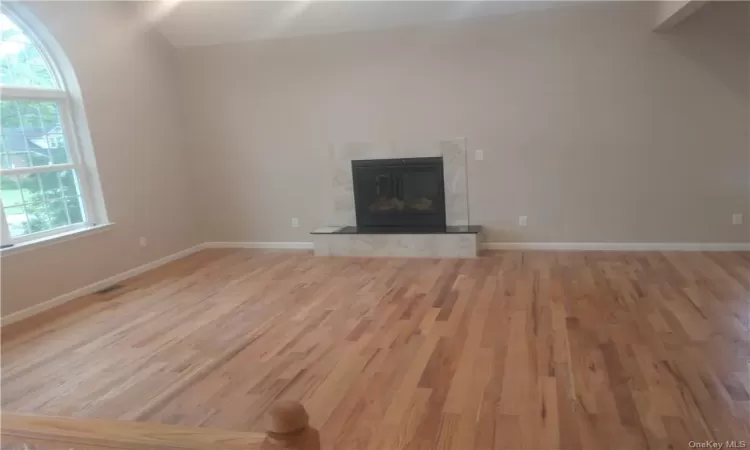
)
(32, 134)
(18, 159)
(10, 191)
(17, 221)
(21, 63)
(58, 214)
(75, 209)
(39, 220)
(69, 183)
(59, 155)
(40, 186)
(10, 142)
(51, 185)
(31, 189)
(41, 201)
(58, 148)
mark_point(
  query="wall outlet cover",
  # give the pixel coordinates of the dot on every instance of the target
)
(737, 219)
(479, 155)
(523, 221)
(295, 222)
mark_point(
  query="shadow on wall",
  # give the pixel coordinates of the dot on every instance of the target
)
(728, 65)
(696, 37)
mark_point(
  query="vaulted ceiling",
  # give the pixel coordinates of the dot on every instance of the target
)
(207, 22)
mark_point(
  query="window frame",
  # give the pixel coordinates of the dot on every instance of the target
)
(60, 95)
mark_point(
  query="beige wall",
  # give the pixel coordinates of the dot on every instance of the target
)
(596, 128)
(127, 79)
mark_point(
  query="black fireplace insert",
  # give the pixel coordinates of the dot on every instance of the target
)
(395, 195)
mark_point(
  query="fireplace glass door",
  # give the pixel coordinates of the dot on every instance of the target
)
(399, 193)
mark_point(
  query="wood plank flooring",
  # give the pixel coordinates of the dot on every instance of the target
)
(514, 350)
(45, 432)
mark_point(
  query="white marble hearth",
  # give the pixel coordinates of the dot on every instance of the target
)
(429, 245)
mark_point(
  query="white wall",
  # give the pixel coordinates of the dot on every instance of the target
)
(127, 78)
(593, 126)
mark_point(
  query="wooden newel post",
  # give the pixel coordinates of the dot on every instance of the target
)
(287, 427)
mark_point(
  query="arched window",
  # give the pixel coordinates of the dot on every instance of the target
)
(44, 188)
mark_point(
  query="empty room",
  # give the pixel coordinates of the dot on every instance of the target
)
(375, 225)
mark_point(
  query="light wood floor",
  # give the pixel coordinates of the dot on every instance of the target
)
(513, 350)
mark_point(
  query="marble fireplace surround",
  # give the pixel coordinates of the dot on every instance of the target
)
(437, 245)
(453, 152)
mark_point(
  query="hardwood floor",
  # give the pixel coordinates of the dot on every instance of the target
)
(21, 432)
(514, 350)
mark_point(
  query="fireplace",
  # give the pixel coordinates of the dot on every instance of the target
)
(399, 195)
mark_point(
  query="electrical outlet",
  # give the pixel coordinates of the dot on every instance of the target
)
(479, 155)
(737, 219)
(295, 222)
(142, 242)
(523, 221)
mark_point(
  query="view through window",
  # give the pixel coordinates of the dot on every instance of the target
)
(41, 191)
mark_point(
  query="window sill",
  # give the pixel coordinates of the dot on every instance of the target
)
(50, 240)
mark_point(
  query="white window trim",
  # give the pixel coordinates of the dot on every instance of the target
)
(93, 211)
(28, 93)
(56, 238)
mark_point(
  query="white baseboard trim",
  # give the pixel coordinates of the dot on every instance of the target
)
(99, 285)
(551, 246)
(561, 246)
(620, 246)
(266, 245)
